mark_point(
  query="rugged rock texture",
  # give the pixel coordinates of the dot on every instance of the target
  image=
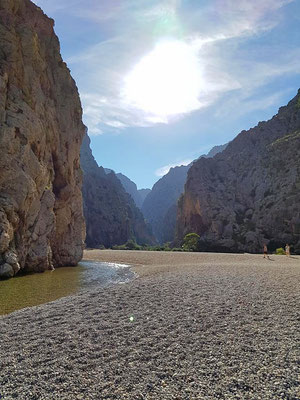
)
(215, 150)
(160, 206)
(162, 201)
(41, 220)
(111, 214)
(131, 188)
(138, 195)
(250, 193)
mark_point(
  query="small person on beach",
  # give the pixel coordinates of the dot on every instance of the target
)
(266, 251)
(287, 250)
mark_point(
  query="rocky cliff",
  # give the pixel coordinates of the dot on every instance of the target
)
(131, 188)
(111, 214)
(143, 194)
(162, 201)
(160, 206)
(250, 193)
(138, 195)
(41, 220)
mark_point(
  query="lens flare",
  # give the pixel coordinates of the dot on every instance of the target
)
(165, 82)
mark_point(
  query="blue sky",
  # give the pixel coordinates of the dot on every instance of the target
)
(246, 55)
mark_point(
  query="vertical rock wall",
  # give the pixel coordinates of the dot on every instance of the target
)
(112, 218)
(250, 193)
(41, 219)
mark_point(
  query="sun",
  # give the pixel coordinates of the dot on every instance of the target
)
(165, 82)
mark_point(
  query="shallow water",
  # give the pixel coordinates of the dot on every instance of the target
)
(30, 290)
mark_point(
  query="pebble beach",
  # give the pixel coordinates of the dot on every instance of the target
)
(188, 326)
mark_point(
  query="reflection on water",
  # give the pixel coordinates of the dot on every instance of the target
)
(30, 290)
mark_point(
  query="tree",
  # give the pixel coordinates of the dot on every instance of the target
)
(191, 242)
(131, 245)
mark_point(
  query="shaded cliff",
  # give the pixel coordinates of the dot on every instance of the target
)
(160, 206)
(143, 194)
(163, 197)
(138, 195)
(250, 193)
(111, 214)
(41, 220)
(131, 188)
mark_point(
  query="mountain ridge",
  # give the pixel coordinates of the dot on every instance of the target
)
(248, 194)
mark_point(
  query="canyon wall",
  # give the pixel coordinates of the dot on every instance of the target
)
(130, 187)
(112, 217)
(41, 219)
(250, 193)
(160, 205)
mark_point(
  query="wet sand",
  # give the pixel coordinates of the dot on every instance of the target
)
(190, 326)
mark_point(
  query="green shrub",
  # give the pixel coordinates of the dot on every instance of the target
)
(280, 251)
(129, 245)
(191, 242)
(177, 249)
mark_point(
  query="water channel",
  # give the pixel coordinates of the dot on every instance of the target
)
(33, 289)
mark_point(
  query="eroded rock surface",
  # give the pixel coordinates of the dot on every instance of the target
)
(250, 193)
(41, 219)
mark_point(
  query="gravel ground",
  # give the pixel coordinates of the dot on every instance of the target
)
(190, 326)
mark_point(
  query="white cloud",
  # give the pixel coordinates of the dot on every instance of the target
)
(216, 31)
(164, 170)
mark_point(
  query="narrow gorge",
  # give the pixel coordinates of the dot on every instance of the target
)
(112, 217)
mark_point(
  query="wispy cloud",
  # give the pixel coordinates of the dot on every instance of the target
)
(165, 169)
(218, 32)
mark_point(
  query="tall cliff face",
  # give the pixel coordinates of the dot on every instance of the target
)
(131, 188)
(41, 220)
(250, 193)
(138, 195)
(143, 194)
(162, 201)
(111, 214)
(160, 205)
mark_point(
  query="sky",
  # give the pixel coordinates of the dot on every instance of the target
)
(163, 81)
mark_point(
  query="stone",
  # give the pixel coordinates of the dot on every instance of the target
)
(41, 130)
(12, 259)
(6, 271)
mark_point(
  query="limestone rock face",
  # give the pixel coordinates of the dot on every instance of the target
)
(160, 205)
(131, 188)
(41, 219)
(138, 195)
(250, 193)
(161, 202)
(112, 218)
